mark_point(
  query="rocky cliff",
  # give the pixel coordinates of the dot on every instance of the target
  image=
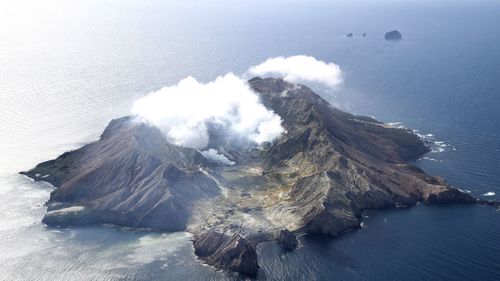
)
(318, 177)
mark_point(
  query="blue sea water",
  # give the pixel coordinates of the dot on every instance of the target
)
(67, 67)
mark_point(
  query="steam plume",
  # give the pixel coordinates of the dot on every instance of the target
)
(300, 69)
(183, 112)
(188, 112)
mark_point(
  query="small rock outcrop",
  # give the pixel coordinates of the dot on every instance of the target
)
(491, 203)
(451, 196)
(227, 252)
(287, 240)
(75, 215)
(349, 35)
(393, 35)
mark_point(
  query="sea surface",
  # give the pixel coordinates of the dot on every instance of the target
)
(68, 67)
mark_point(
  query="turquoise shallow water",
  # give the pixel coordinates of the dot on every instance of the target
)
(66, 68)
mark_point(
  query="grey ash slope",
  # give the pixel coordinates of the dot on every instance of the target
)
(316, 178)
(132, 176)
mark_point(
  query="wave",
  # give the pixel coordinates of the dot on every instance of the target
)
(431, 159)
(436, 146)
(398, 125)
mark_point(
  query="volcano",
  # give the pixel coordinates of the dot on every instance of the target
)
(318, 177)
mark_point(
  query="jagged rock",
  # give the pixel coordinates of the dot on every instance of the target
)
(491, 203)
(451, 196)
(349, 35)
(227, 252)
(287, 240)
(393, 35)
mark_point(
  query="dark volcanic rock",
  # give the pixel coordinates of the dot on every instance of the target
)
(227, 252)
(451, 196)
(287, 240)
(491, 203)
(393, 35)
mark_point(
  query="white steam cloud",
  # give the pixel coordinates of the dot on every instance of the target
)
(189, 113)
(300, 69)
(184, 112)
(214, 156)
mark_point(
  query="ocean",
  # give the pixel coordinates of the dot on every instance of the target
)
(68, 67)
